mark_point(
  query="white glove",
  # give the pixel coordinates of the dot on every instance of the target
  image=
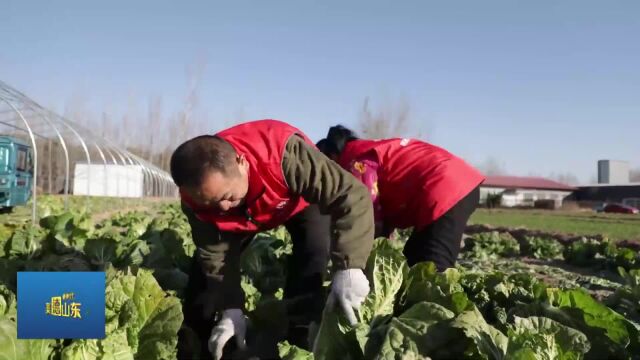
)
(349, 288)
(232, 323)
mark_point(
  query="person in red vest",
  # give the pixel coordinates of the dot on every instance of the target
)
(412, 184)
(257, 176)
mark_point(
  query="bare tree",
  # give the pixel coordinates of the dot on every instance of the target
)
(390, 120)
(565, 178)
(153, 136)
(104, 125)
(173, 128)
(634, 175)
(76, 109)
(154, 124)
(129, 123)
(194, 78)
(492, 167)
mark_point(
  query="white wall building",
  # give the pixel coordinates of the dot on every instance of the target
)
(524, 191)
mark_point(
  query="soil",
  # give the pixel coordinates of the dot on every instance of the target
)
(565, 239)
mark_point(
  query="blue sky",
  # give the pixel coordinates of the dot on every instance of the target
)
(542, 86)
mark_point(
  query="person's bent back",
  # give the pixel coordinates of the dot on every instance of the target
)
(412, 184)
(254, 177)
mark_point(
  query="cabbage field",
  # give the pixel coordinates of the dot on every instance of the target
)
(523, 297)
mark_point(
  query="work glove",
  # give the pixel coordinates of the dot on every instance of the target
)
(232, 323)
(349, 288)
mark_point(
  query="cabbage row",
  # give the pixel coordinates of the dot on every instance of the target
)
(508, 299)
(145, 259)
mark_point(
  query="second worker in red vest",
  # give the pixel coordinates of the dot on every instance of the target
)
(412, 184)
(257, 176)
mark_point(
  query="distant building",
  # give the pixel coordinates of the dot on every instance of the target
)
(613, 186)
(524, 191)
(613, 172)
(600, 194)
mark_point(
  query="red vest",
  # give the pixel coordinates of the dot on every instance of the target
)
(268, 203)
(417, 182)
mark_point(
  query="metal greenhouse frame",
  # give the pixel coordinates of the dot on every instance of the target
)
(21, 115)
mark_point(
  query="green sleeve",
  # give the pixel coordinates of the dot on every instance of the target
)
(218, 254)
(321, 181)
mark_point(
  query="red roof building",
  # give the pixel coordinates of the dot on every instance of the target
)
(520, 182)
(524, 191)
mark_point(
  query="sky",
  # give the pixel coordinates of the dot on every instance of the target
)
(540, 86)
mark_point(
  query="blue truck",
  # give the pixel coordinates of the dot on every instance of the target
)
(16, 172)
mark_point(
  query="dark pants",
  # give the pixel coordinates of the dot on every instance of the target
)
(440, 241)
(311, 236)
